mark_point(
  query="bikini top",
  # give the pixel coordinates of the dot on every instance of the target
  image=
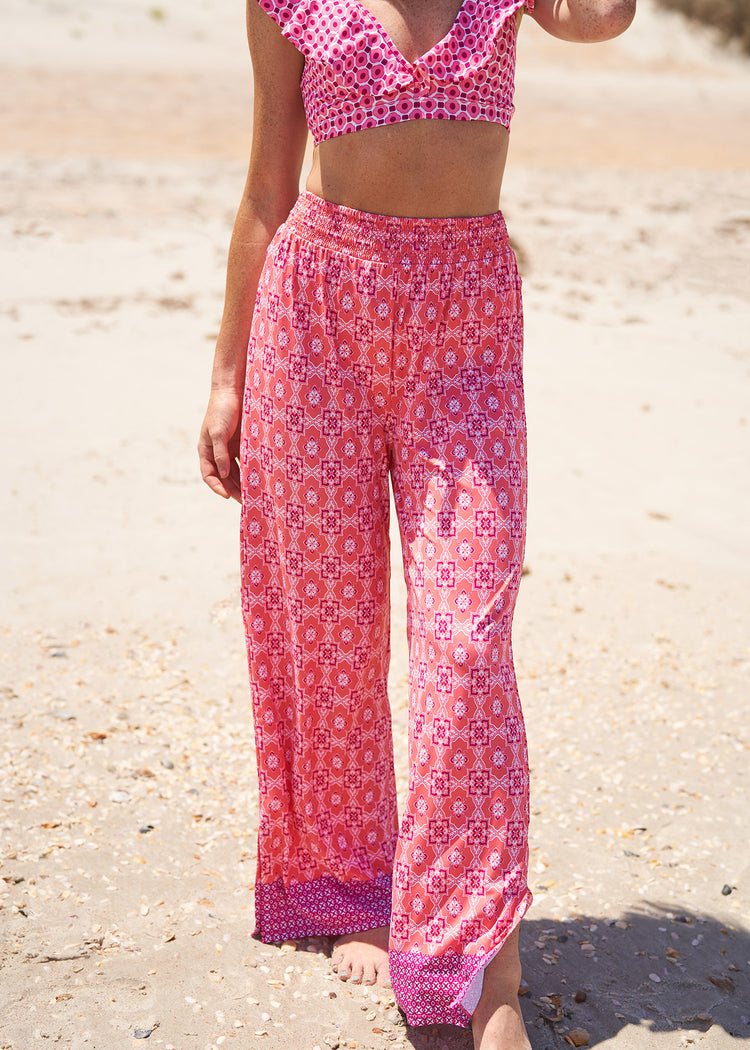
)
(355, 77)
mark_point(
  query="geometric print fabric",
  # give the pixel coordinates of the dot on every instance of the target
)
(388, 348)
(354, 76)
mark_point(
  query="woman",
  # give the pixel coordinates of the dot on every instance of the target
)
(373, 327)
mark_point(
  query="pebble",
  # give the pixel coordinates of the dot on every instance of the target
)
(143, 1033)
(655, 978)
(394, 1017)
(577, 1037)
(580, 996)
(726, 890)
(145, 828)
(167, 763)
(119, 796)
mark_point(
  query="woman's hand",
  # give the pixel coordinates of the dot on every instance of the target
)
(219, 443)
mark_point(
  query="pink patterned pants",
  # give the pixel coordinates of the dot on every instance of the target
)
(388, 347)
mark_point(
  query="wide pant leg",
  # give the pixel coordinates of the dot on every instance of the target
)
(315, 572)
(459, 470)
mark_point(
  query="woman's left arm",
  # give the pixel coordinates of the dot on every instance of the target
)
(584, 21)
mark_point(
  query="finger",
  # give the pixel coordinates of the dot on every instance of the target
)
(233, 486)
(216, 485)
(221, 457)
(233, 483)
(209, 474)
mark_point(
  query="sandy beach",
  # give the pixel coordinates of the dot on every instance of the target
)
(128, 802)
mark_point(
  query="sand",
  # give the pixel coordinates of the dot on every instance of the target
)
(127, 794)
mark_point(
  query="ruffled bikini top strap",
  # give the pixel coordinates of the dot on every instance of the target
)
(297, 20)
(306, 22)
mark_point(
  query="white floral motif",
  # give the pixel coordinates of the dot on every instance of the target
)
(459, 759)
(460, 655)
(463, 601)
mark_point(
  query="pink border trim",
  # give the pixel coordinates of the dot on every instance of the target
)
(431, 989)
(322, 907)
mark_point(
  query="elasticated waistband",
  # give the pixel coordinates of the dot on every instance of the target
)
(407, 240)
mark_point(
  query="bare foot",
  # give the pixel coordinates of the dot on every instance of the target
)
(497, 1022)
(320, 945)
(362, 958)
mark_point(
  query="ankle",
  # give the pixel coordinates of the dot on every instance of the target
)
(502, 979)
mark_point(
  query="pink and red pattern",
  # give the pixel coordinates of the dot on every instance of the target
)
(355, 77)
(385, 347)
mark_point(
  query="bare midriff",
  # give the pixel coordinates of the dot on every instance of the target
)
(422, 168)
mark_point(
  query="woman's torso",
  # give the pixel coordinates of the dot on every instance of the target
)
(433, 167)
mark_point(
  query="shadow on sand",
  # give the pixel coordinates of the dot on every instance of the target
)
(658, 968)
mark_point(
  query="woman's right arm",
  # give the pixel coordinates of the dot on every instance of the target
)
(272, 186)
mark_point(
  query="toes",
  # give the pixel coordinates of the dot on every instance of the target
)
(341, 968)
(369, 975)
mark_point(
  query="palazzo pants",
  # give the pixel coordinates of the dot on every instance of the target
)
(388, 347)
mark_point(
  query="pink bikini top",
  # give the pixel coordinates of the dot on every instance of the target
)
(354, 76)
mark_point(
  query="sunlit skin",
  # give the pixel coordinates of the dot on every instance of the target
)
(416, 168)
